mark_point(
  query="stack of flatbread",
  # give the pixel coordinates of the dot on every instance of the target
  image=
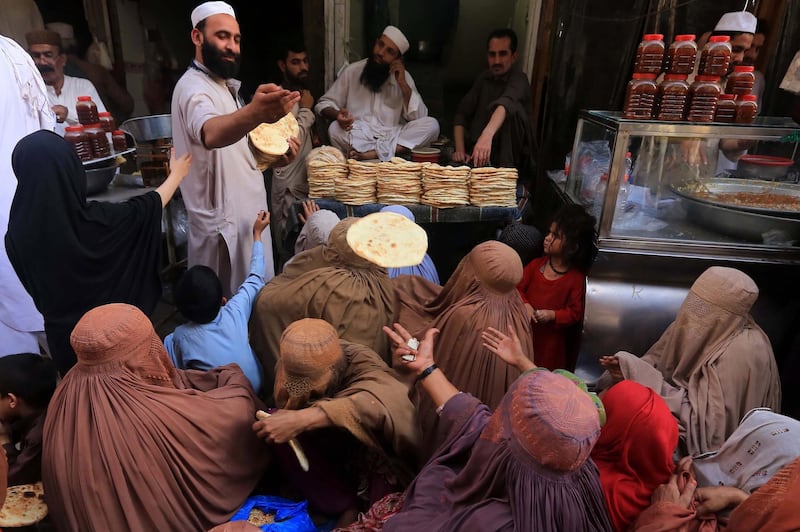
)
(445, 186)
(359, 187)
(399, 182)
(269, 142)
(24, 506)
(493, 186)
(323, 166)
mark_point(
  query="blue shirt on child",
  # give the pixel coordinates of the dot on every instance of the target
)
(223, 340)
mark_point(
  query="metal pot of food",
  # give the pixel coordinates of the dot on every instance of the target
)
(763, 167)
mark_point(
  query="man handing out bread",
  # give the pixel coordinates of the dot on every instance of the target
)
(224, 188)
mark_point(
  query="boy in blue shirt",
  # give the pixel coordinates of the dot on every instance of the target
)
(217, 332)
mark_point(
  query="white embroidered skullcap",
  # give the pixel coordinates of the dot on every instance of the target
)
(206, 9)
(738, 22)
(397, 37)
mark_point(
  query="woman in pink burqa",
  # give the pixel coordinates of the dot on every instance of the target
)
(524, 467)
(131, 443)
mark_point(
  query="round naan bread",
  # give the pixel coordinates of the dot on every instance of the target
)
(272, 139)
(388, 239)
(325, 154)
(24, 506)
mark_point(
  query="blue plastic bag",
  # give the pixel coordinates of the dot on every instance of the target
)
(289, 516)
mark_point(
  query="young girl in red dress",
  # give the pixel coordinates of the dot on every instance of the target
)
(554, 285)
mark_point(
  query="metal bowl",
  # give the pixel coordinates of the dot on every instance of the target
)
(97, 179)
(763, 167)
(149, 128)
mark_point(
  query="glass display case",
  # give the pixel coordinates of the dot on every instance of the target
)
(712, 189)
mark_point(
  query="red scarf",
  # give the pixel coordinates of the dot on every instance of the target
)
(634, 451)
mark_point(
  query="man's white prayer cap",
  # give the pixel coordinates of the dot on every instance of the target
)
(737, 22)
(397, 37)
(206, 9)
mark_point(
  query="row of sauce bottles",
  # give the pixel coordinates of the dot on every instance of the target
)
(97, 132)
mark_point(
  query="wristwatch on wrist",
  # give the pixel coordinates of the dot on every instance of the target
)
(427, 371)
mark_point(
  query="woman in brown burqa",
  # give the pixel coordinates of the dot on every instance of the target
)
(131, 443)
(711, 366)
(481, 293)
(329, 282)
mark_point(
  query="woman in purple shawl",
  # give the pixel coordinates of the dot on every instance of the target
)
(424, 269)
(526, 467)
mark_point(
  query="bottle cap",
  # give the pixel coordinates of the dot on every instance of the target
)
(703, 77)
(743, 68)
(639, 75)
(748, 98)
(653, 37)
(117, 132)
(676, 77)
(84, 98)
(686, 37)
(727, 96)
(719, 38)
(73, 128)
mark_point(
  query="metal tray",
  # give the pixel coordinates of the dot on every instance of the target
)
(727, 185)
(94, 163)
(740, 223)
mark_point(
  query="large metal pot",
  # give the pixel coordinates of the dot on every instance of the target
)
(153, 137)
(149, 128)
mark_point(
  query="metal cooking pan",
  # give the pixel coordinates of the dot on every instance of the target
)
(725, 185)
(735, 221)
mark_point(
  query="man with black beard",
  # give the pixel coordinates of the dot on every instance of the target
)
(290, 183)
(374, 107)
(48, 55)
(224, 189)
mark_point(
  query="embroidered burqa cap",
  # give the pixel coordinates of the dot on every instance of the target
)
(207, 9)
(554, 423)
(737, 22)
(727, 288)
(121, 332)
(497, 266)
(310, 354)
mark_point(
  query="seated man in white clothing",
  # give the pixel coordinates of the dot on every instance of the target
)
(48, 54)
(374, 107)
